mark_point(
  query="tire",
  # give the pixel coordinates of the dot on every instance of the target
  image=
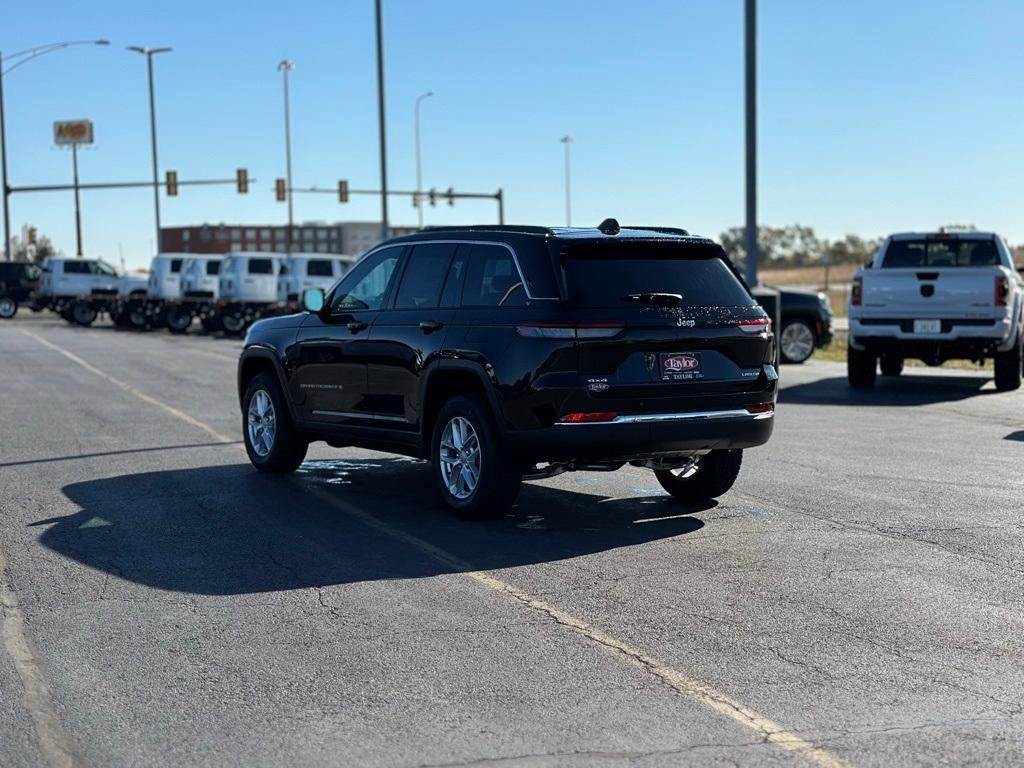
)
(797, 341)
(860, 368)
(212, 324)
(713, 475)
(1008, 367)
(465, 421)
(8, 307)
(137, 318)
(285, 449)
(233, 325)
(178, 320)
(890, 365)
(83, 314)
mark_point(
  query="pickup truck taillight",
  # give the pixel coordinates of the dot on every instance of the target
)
(857, 294)
(1002, 290)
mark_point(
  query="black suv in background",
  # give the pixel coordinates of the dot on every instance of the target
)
(18, 280)
(499, 353)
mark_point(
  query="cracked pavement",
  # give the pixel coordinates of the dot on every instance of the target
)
(862, 586)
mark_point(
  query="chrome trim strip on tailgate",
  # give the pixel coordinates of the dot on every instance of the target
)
(644, 418)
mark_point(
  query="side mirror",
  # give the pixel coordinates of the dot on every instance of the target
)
(313, 300)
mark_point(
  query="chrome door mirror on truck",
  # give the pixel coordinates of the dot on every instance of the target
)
(313, 300)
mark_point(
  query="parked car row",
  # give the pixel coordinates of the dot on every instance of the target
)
(222, 292)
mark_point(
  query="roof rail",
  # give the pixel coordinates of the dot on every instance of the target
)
(663, 230)
(522, 228)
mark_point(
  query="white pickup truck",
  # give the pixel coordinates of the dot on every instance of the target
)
(936, 297)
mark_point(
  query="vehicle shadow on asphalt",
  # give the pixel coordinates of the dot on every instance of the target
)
(908, 389)
(227, 530)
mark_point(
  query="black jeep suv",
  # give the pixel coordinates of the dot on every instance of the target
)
(505, 352)
(18, 281)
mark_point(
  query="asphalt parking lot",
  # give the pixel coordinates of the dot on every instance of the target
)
(857, 600)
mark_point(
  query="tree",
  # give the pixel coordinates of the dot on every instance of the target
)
(797, 245)
(23, 251)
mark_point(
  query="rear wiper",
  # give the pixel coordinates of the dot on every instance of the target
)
(657, 299)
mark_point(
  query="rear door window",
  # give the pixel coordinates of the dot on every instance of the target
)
(424, 276)
(492, 279)
(175, 266)
(620, 274)
(320, 268)
(76, 267)
(908, 254)
(261, 266)
(213, 267)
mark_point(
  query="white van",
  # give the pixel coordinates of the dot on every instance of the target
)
(165, 276)
(248, 288)
(310, 270)
(200, 286)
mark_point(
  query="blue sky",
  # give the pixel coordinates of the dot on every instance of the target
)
(874, 116)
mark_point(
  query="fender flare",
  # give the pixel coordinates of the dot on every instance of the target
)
(472, 367)
(264, 353)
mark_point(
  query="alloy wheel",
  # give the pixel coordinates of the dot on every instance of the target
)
(797, 342)
(460, 457)
(261, 423)
(7, 307)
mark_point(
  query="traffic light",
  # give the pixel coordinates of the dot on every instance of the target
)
(31, 235)
(172, 183)
(242, 179)
(280, 191)
(433, 196)
(343, 191)
(450, 194)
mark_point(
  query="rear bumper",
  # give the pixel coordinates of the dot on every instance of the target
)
(958, 337)
(637, 436)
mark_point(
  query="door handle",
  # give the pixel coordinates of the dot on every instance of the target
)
(429, 326)
(356, 326)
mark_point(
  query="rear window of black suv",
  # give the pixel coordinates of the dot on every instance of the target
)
(608, 274)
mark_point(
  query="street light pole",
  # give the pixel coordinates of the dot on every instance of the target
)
(419, 171)
(384, 227)
(750, 29)
(285, 67)
(78, 209)
(149, 53)
(567, 140)
(24, 56)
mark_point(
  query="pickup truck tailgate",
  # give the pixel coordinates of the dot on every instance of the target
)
(930, 292)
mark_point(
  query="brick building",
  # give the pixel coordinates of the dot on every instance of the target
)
(348, 237)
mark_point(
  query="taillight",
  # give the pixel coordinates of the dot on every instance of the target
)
(755, 325)
(761, 408)
(857, 293)
(569, 330)
(1002, 290)
(588, 418)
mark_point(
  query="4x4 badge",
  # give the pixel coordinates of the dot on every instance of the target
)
(597, 385)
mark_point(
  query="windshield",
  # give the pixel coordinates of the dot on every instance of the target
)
(940, 253)
(651, 273)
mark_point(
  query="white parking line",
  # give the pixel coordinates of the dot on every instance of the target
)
(53, 741)
(692, 688)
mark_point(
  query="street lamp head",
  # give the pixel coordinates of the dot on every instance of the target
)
(148, 51)
(286, 65)
(566, 139)
(102, 42)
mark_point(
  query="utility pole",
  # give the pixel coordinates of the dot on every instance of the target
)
(419, 170)
(384, 226)
(567, 140)
(285, 67)
(78, 210)
(149, 53)
(750, 29)
(3, 168)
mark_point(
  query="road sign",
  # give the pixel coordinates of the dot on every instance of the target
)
(72, 132)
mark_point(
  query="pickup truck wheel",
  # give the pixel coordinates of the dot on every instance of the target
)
(472, 472)
(796, 342)
(233, 324)
(271, 440)
(1008, 367)
(138, 319)
(712, 475)
(891, 365)
(8, 307)
(178, 320)
(82, 313)
(860, 368)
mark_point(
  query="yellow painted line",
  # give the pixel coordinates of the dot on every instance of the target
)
(133, 391)
(694, 689)
(53, 741)
(690, 687)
